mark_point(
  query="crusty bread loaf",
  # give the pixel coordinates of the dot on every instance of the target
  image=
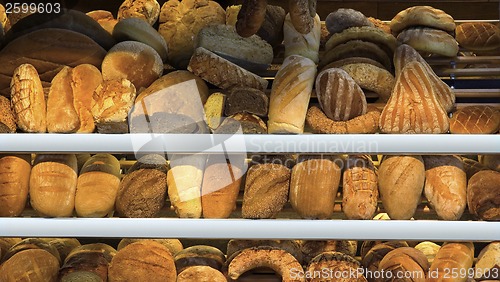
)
(482, 195)
(180, 21)
(290, 95)
(365, 33)
(445, 186)
(246, 100)
(266, 190)
(28, 99)
(30, 265)
(429, 41)
(341, 19)
(200, 273)
(53, 184)
(339, 95)
(400, 182)
(85, 79)
(488, 262)
(173, 245)
(61, 114)
(352, 60)
(97, 186)
(105, 249)
(306, 45)
(64, 246)
(142, 190)
(7, 118)
(429, 249)
(356, 48)
(30, 244)
(199, 255)
(422, 16)
(105, 19)
(375, 254)
(359, 189)
(80, 262)
(312, 248)
(372, 78)
(337, 263)
(313, 187)
(250, 17)
(142, 261)
(405, 54)
(214, 109)
(242, 123)
(14, 184)
(291, 246)
(278, 260)
(148, 10)
(48, 50)
(380, 24)
(478, 36)
(452, 256)
(475, 120)
(414, 93)
(320, 123)
(404, 260)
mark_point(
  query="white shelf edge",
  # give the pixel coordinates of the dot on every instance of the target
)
(251, 229)
(268, 143)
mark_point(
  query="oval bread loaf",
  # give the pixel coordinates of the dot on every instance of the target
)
(14, 184)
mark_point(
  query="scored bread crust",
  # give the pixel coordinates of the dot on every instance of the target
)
(366, 33)
(478, 36)
(372, 78)
(320, 123)
(422, 16)
(475, 120)
(429, 40)
(357, 48)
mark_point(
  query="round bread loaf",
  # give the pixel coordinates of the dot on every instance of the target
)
(344, 18)
(142, 261)
(30, 265)
(173, 245)
(147, 10)
(7, 120)
(104, 18)
(405, 260)
(372, 78)
(134, 61)
(371, 259)
(475, 120)
(83, 262)
(291, 246)
(352, 60)
(422, 16)
(483, 195)
(199, 255)
(78, 276)
(356, 48)
(429, 41)
(200, 273)
(32, 244)
(478, 36)
(106, 250)
(366, 33)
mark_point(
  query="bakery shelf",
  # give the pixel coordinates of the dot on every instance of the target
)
(251, 229)
(239, 143)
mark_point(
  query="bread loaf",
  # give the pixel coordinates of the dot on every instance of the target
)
(445, 186)
(142, 190)
(339, 96)
(405, 260)
(290, 95)
(488, 262)
(372, 78)
(142, 261)
(104, 18)
(341, 19)
(28, 99)
(30, 265)
(360, 192)
(64, 246)
(97, 186)
(356, 48)
(478, 36)
(81, 159)
(452, 256)
(242, 123)
(313, 187)
(282, 262)
(148, 10)
(483, 195)
(429, 249)
(490, 161)
(302, 14)
(312, 248)
(61, 114)
(7, 118)
(422, 16)
(475, 120)
(220, 187)
(320, 123)
(180, 22)
(81, 262)
(48, 50)
(173, 245)
(111, 103)
(214, 109)
(84, 81)
(291, 246)
(405, 54)
(199, 255)
(335, 263)
(249, 100)
(472, 167)
(6, 244)
(371, 260)
(53, 184)
(306, 45)
(429, 41)
(250, 17)
(200, 273)
(400, 182)
(14, 180)
(105, 249)
(30, 244)
(352, 60)
(266, 190)
(365, 33)
(413, 94)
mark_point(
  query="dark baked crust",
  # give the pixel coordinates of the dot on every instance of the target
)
(300, 15)
(251, 17)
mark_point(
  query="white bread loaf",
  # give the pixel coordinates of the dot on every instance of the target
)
(290, 95)
(306, 45)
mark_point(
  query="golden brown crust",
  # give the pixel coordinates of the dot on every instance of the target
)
(429, 41)
(148, 10)
(375, 254)
(14, 184)
(475, 120)
(85, 79)
(200, 273)
(250, 17)
(7, 119)
(381, 25)
(372, 78)
(30, 265)
(320, 123)
(422, 16)
(482, 195)
(61, 114)
(301, 14)
(406, 260)
(458, 256)
(478, 36)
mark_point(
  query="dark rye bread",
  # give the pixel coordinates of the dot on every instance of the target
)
(48, 50)
(248, 100)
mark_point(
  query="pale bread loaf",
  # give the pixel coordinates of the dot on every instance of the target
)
(478, 36)
(429, 41)
(487, 261)
(422, 16)
(475, 120)
(290, 95)
(372, 78)
(306, 45)
(429, 249)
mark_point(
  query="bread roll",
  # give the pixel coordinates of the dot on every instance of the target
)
(148, 10)
(429, 41)
(180, 22)
(422, 16)
(291, 246)
(48, 50)
(405, 260)
(111, 103)
(142, 261)
(7, 119)
(173, 245)
(249, 100)
(282, 262)
(53, 184)
(104, 18)
(320, 123)
(483, 195)
(371, 260)
(242, 123)
(445, 186)
(430, 250)
(306, 45)
(488, 262)
(220, 187)
(413, 94)
(199, 255)
(28, 99)
(97, 186)
(200, 273)
(341, 19)
(30, 265)
(84, 81)
(339, 266)
(456, 257)
(475, 120)
(214, 109)
(266, 190)
(134, 61)
(339, 95)
(64, 246)
(372, 78)
(221, 72)
(142, 190)
(312, 248)
(400, 182)
(313, 187)
(14, 180)
(478, 36)
(61, 114)
(490, 161)
(290, 95)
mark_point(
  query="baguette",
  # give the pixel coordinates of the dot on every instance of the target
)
(456, 257)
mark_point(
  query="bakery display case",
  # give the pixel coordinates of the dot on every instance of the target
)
(295, 140)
